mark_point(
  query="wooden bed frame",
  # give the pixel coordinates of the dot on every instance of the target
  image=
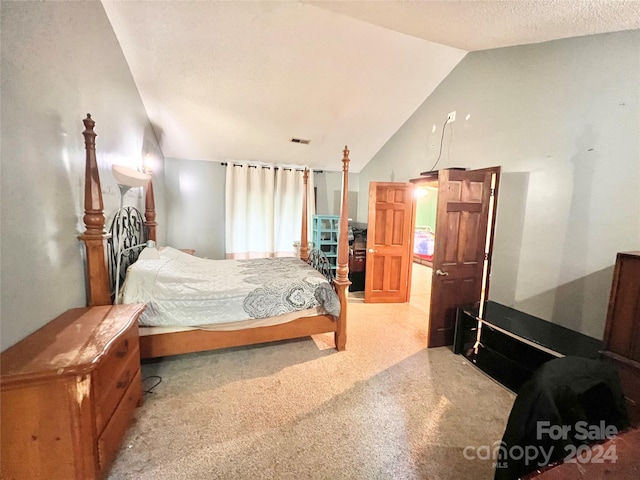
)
(159, 345)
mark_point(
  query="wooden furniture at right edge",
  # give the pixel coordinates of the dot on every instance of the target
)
(622, 329)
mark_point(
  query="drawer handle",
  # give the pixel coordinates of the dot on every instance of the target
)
(124, 351)
(125, 381)
(630, 400)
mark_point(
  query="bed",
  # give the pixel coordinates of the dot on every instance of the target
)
(423, 245)
(167, 339)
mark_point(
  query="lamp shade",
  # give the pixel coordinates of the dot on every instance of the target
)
(129, 177)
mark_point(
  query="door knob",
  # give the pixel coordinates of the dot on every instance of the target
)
(440, 272)
(372, 250)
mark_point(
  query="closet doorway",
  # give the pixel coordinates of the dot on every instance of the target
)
(463, 243)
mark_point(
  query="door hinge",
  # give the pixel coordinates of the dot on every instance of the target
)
(493, 192)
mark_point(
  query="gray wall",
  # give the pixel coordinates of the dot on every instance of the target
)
(563, 120)
(60, 60)
(329, 193)
(195, 206)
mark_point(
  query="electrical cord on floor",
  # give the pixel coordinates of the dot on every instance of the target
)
(158, 379)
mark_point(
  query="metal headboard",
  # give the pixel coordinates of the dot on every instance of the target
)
(134, 238)
(318, 260)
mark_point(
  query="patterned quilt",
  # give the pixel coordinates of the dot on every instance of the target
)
(183, 290)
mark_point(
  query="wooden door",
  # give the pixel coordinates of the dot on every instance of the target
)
(463, 243)
(389, 243)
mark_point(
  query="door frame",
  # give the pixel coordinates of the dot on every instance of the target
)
(430, 181)
(491, 233)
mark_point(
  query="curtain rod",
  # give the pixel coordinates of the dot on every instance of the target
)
(224, 164)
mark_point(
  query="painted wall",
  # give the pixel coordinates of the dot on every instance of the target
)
(426, 207)
(562, 118)
(195, 193)
(59, 61)
(329, 193)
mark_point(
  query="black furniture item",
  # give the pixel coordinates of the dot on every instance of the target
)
(357, 269)
(512, 344)
(568, 402)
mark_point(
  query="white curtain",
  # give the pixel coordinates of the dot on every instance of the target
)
(263, 212)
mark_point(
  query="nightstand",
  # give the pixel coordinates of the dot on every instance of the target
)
(69, 391)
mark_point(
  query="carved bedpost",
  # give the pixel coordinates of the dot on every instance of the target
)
(342, 271)
(150, 211)
(94, 237)
(304, 236)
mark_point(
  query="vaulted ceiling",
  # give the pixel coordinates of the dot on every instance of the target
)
(237, 80)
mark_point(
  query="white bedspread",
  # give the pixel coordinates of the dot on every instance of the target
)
(183, 290)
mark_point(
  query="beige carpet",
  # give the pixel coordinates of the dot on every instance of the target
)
(387, 408)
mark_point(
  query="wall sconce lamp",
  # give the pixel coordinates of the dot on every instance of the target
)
(128, 178)
(147, 163)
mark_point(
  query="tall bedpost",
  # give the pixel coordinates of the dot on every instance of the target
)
(342, 271)
(94, 237)
(150, 211)
(304, 236)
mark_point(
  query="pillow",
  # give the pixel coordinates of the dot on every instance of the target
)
(149, 253)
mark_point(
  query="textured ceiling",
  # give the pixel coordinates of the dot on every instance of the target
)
(231, 80)
(483, 24)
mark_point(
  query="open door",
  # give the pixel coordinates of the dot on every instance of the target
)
(389, 243)
(464, 230)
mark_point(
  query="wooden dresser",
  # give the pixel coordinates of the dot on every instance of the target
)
(69, 391)
(622, 329)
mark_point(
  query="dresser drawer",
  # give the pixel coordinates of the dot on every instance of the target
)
(110, 439)
(120, 354)
(121, 381)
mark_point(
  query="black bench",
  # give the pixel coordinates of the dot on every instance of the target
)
(512, 344)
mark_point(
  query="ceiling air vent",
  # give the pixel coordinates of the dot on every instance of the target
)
(300, 140)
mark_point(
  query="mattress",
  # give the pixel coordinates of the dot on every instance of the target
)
(181, 290)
